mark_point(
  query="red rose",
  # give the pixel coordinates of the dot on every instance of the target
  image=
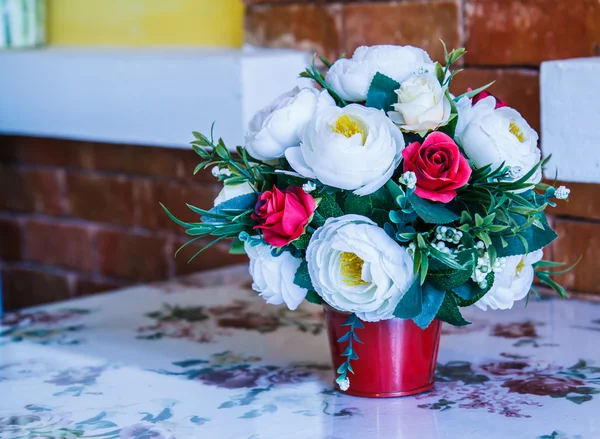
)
(439, 166)
(484, 94)
(283, 215)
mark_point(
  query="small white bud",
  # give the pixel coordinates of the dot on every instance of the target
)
(216, 172)
(344, 384)
(409, 178)
(308, 187)
(562, 193)
(515, 172)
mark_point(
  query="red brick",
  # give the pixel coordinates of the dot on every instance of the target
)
(578, 239)
(527, 32)
(519, 88)
(420, 24)
(216, 256)
(47, 151)
(23, 287)
(584, 201)
(174, 196)
(59, 244)
(32, 190)
(314, 28)
(93, 285)
(105, 199)
(11, 238)
(133, 257)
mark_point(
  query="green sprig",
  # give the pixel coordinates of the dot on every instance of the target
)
(354, 323)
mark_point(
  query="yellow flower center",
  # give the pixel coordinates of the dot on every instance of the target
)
(521, 266)
(516, 131)
(347, 127)
(351, 268)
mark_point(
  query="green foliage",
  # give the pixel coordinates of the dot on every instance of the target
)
(354, 323)
(411, 304)
(433, 298)
(445, 277)
(382, 92)
(450, 313)
(375, 206)
(472, 93)
(328, 206)
(432, 212)
(469, 293)
(313, 73)
(302, 278)
(302, 242)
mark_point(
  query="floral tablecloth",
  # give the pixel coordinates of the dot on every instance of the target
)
(204, 357)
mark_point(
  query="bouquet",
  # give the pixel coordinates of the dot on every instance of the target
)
(380, 194)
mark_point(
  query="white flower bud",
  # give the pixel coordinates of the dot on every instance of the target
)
(410, 179)
(308, 187)
(344, 384)
(562, 193)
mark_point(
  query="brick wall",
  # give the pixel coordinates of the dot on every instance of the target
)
(82, 217)
(506, 41)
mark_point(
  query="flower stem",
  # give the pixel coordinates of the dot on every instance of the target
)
(354, 323)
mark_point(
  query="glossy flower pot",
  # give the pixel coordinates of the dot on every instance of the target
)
(396, 358)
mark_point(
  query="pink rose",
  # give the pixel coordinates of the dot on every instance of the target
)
(283, 215)
(484, 94)
(439, 166)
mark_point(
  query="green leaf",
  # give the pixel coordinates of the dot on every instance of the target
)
(528, 240)
(328, 207)
(285, 180)
(237, 248)
(431, 212)
(469, 292)
(450, 313)
(382, 92)
(240, 203)
(313, 297)
(472, 93)
(579, 399)
(302, 242)
(375, 206)
(432, 301)
(447, 278)
(302, 278)
(175, 219)
(411, 304)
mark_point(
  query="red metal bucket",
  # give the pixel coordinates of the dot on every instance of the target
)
(397, 358)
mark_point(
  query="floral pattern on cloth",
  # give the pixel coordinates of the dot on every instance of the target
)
(44, 327)
(217, 362)
(201, 323)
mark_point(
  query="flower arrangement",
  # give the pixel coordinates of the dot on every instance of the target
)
(382, 195)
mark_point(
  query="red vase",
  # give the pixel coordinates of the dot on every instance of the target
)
(396, 358)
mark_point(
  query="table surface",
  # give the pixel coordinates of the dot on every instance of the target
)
(205, 357)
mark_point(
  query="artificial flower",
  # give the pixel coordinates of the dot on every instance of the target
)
(351, 78)
(277, 126)
(230, 191)
(353, 148)
(273, 276)
(484, 94)
(356, 267)
(423, 104)
(512, 283)
(491, 136)
(439, 167)
(282, 216)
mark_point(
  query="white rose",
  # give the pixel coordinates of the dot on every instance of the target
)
(422, 104)
(352, 148)
(273, 277)
(495, 136)
(512, 283)
(351, 78)
(277, 126)
(356, 267)
(233, 190)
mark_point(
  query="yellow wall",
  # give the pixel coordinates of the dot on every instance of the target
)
(146, 22)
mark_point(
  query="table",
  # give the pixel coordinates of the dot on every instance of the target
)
(205, 357)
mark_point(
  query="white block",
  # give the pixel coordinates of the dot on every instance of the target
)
(141, 96)
(570, 99)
